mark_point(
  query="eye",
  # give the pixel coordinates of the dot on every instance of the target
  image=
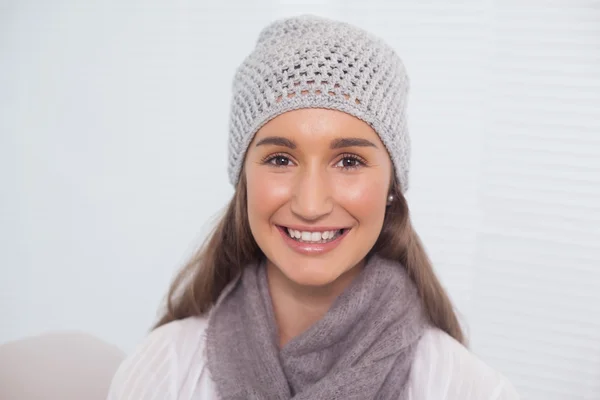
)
(278, 160)
(350, 161)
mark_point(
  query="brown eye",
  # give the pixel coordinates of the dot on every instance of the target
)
(349, 162)
(279, 161)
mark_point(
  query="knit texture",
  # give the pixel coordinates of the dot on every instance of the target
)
(362, 349)
(314, 62)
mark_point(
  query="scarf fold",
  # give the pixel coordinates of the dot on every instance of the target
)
(362, 348)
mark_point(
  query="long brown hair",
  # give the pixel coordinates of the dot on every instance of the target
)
(231, 246)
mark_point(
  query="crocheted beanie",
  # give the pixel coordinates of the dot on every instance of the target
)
(314, 62)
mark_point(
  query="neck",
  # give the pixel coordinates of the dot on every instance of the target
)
(297, 307)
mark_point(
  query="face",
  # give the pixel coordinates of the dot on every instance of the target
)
(317, 185)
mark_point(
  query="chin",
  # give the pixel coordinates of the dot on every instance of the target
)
(310, 271)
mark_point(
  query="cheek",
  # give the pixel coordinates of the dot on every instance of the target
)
(364, 199)
(265, 195)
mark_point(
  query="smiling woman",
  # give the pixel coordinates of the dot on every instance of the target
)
(314, 284)
(326, 174)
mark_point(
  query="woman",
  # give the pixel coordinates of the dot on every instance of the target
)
(314, 284)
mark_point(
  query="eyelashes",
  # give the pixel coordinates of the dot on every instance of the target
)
(351, 161)
(277, 160)
(346, 161)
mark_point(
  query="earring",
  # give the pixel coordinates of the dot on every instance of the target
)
(390, 199)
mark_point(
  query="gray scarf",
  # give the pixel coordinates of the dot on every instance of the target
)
(362, 348)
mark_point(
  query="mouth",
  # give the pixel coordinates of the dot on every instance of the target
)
(314, 241)
(324, 236)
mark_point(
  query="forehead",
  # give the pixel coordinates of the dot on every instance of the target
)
(313, 125)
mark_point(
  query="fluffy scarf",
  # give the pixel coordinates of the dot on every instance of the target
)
(362, 348)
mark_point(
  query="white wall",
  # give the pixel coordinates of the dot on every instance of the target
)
(113, 122)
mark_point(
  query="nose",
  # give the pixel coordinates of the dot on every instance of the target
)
(312, 199)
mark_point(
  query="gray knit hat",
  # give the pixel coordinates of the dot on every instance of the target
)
(314, 62)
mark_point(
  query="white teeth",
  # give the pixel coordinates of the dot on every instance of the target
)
(295, 234)
(317, 237)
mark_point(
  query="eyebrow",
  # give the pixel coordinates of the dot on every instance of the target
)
(335, 144)
(276, 141)
(351, 142)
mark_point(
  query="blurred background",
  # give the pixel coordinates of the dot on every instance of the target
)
(114, 118)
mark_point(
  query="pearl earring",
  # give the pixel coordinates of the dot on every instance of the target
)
(390, 199)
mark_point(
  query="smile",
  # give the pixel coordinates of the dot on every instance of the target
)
(314, 236)
(313, 241)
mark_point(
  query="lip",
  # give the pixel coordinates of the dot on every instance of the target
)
(313, 228)
(311, 248)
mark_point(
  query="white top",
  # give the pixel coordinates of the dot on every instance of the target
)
(170, 364)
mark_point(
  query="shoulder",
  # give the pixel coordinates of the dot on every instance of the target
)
(444, 369)
(167, 364)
